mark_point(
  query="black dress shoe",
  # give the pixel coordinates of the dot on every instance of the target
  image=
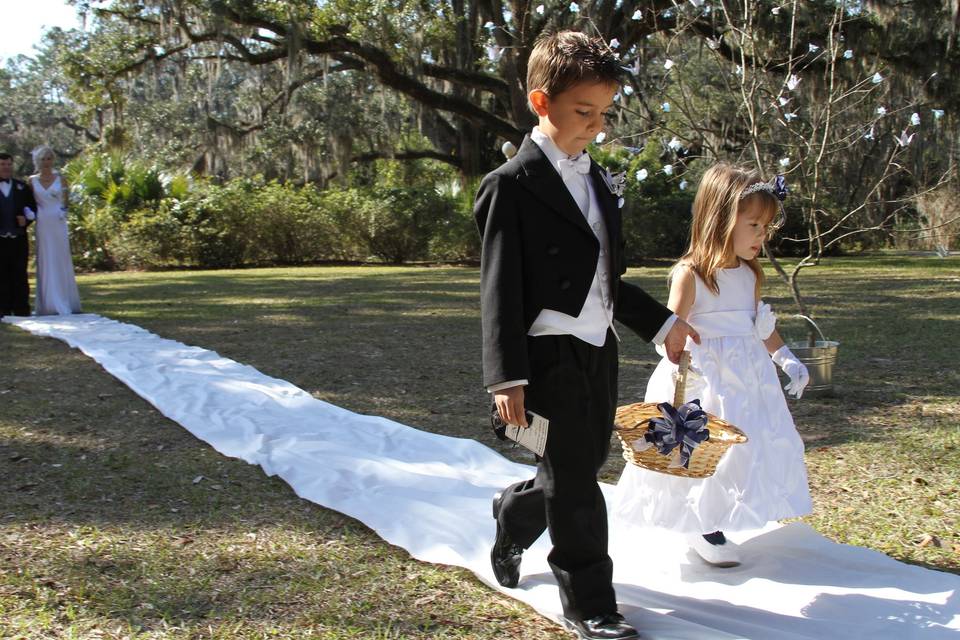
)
(610, 626)
(505, 555)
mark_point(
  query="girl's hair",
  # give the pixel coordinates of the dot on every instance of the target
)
(39, 153)
(715, 209)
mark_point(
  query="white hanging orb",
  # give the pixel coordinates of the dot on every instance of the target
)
(508, 149)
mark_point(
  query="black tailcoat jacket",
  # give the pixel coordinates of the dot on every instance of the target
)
(538, 252)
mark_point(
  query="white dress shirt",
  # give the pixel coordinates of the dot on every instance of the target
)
(596, 316)
(5, 187)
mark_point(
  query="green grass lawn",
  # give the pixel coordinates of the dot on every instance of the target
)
(116, 523)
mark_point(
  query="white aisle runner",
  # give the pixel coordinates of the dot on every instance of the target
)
(430, 494)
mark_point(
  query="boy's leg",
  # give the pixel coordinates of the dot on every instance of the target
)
(576, 391)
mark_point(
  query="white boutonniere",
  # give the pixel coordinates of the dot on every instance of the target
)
(19, 187)
(616, 182)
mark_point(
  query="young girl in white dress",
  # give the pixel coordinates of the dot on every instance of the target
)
(57, 292)
(715, 287)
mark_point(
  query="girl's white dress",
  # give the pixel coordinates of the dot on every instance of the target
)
(57, 292)
(762, 480)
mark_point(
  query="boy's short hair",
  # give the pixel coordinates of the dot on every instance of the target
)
(5, 156)
(561, 60)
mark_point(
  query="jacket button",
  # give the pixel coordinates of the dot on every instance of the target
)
(553, 250)
(564, 285)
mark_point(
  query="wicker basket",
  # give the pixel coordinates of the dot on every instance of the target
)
(631, 425)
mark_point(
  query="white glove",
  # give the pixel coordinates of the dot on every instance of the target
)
(29, 214)
(795, 370)
(766, 321)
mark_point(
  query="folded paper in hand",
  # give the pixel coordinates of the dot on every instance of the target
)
(532, 437)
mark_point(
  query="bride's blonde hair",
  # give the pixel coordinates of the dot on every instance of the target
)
(39, 153)
(715, 209)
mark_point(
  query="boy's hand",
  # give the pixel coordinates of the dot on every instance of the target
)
(510, 405)
(676, 340)
(21, 221)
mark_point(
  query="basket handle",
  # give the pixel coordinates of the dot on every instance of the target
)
(681, 389)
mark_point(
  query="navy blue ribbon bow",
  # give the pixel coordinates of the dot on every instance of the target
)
(684, 427)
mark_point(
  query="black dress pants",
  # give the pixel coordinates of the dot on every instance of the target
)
(574, 385)
(14, 286)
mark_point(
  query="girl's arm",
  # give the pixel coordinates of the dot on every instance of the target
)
(683, 291)
(774, 342)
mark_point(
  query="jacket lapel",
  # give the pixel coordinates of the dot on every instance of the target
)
(543, 181)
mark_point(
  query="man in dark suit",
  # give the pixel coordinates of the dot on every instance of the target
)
(551, 265)
(17, 207)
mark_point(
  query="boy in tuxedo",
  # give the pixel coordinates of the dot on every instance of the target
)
(17, 207)
(551, 262)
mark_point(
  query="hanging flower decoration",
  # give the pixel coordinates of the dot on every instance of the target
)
(903, 139)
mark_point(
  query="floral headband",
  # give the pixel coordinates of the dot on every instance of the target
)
(776, 188)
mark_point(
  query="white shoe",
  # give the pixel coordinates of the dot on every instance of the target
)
(719, 555)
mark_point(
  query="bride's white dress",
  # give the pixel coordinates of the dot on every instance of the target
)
(762, 480)
(57, 292)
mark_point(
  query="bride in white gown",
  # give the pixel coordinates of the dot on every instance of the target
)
(57, 292)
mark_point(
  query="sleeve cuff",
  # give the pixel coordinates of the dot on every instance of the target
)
(506, 385)
(665, 329)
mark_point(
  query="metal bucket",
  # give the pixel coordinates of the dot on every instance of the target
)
(819, 360)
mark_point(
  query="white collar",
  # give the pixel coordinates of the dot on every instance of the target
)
(550, 149)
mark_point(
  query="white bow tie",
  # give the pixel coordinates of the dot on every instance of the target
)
(569, 166)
